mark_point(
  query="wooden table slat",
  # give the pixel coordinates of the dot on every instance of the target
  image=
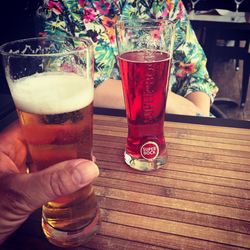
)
(180, 184)
(200, 163)
(173, 132)
(198, 207)
(182, 145)
(176, 193)
(161, 239)
(207, 220)
(172, 227)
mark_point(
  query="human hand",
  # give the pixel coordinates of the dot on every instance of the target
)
(22, 193)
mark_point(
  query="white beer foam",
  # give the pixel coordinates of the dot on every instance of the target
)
(52, 93)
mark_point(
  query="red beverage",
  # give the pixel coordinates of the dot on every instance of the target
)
(145, 75)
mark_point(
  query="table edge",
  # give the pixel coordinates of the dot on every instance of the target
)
(11, 117)
(184, 118)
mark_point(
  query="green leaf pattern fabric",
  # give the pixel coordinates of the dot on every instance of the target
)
(96, 19)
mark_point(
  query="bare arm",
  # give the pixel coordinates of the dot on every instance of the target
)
(193, 104)
(109, 95)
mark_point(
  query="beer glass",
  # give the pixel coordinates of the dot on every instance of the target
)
(51, 82)
(144, 55)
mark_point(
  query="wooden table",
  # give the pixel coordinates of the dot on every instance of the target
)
(200, 200)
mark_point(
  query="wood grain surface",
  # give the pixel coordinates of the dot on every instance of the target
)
(200, 200)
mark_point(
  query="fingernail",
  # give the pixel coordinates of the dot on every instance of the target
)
(84, 173)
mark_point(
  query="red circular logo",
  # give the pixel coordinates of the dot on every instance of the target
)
(149, 150)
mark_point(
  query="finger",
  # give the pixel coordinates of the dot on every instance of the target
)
(13, 131)
(13, 146)
(56, 181)
(7, 166)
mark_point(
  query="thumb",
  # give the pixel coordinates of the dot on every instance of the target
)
(56, 181)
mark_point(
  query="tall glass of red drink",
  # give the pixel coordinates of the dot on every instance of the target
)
(144, 54)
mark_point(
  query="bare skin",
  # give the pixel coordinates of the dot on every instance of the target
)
(109, 95)
(23, 193)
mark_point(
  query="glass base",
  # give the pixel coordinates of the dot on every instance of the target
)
(71, 239)
(143, 164)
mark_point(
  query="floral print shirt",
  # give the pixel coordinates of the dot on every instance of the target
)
(96, 19)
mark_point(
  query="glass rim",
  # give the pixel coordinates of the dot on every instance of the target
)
(87, 42)
(134, 22)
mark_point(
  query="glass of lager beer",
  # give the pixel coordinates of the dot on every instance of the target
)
(145, 53)
(51, 82)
